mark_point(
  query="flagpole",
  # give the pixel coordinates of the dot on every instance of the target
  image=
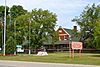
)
(4, 31)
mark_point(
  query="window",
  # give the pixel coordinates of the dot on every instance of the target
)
(65, 37)
(60, 31)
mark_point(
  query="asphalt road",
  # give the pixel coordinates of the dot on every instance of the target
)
(36, 64)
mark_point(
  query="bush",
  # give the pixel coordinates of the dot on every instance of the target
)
(10, 46)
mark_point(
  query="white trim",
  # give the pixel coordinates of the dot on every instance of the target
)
(66, 32)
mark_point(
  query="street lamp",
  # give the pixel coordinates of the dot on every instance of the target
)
(4, 36)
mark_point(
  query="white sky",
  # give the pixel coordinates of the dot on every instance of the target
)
(66, 10)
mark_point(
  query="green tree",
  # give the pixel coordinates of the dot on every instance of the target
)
(10, 46)
(87, 22)
(54, 38)
(2, 11)
(17, 10)
(97, 35)
(37, 25)
(44, 23)
(12, 14)
(1, 29)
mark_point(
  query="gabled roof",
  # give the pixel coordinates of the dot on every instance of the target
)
(69, 31)
(64, 31)
(73, 34)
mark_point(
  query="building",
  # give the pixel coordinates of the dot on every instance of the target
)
(68, 34)
(65, 37)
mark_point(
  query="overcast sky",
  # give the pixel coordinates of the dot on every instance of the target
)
(66, 10)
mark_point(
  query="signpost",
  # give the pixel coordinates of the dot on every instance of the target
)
(76, 46)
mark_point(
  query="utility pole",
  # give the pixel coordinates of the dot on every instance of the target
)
(29, 37)
(4, 31)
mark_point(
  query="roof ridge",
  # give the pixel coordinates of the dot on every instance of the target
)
(67, 29)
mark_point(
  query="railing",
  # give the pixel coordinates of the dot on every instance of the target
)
(63, 50)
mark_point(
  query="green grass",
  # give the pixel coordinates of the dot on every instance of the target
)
(63, 57)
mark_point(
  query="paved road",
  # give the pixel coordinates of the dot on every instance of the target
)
(36, 64)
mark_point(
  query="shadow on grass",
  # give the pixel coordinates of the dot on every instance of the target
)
(95, 55)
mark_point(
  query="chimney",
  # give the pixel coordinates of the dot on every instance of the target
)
(75, 28)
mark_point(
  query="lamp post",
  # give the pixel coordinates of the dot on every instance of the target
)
(4, 36)
(15, 36)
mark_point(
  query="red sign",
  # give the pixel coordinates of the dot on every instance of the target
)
(77, 45)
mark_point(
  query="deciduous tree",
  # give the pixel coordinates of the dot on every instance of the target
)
(87, 22)
(36, 26)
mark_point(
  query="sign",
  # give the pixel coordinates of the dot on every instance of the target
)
(19, 46)
(76, 45)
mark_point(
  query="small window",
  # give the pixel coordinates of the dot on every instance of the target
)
(65, 37)
(60, 31)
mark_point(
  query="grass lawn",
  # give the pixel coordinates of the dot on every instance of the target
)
(59, 57)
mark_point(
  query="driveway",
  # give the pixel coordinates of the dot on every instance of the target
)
(4, 63)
